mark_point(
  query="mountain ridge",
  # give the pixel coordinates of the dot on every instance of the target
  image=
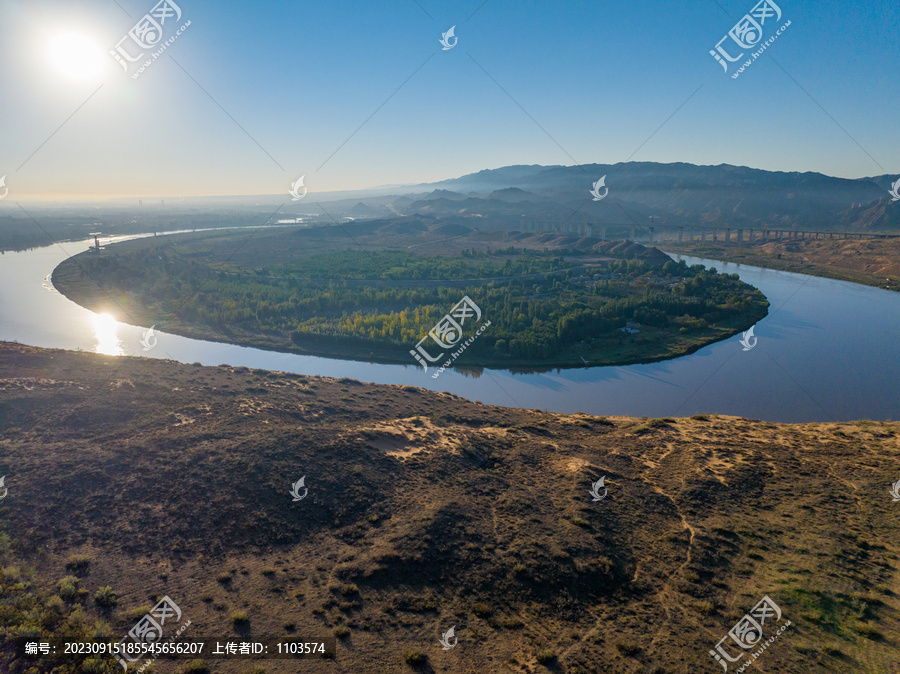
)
(676, 193)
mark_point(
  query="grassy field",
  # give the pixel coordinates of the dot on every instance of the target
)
(426, 511)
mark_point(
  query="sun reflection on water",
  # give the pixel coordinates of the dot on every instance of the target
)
(105, 331)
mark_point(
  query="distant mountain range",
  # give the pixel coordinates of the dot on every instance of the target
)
(673, 194)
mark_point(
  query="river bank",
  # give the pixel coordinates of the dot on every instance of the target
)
(871, 262)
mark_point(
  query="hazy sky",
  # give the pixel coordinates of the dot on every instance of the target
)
(268, 91)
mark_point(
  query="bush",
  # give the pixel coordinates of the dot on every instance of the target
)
(628, 647)
(481, 609)
(546, 657)
(105, 597)
(137, 613)
(55, 604)
(341, 631)
(78, 562)
(705, 606)
(11, 574)
(195, 667)
(239, 618)
(868, 632)
(68, 588)
(415, 658)
(511, 622)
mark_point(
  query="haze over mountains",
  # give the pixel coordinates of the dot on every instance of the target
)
(533, 198)
(675, 194)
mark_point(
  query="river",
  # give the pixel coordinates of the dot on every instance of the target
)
(826, 352)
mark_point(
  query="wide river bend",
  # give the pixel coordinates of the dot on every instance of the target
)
(827, 351)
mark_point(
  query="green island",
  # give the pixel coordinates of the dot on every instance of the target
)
(565, 304)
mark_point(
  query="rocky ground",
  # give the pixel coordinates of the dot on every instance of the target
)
(425, 511)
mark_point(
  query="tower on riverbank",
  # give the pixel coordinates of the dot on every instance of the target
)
(96, 248)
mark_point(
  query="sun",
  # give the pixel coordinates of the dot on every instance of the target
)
(75, 56)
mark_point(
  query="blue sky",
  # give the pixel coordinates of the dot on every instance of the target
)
(298, 78)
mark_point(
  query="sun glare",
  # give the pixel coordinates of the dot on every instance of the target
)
(75, 56)
(105, 332)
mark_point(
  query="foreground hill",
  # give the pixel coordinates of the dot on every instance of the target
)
(426, 512)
